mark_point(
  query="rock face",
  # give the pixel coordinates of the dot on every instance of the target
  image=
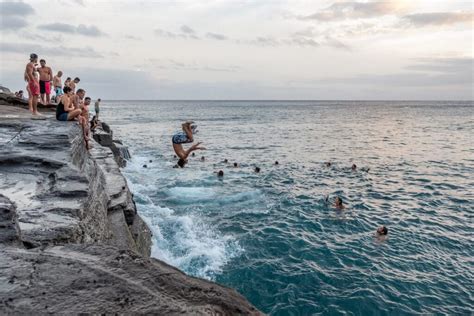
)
(71, 240)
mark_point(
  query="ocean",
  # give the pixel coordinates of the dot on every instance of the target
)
(273, 237)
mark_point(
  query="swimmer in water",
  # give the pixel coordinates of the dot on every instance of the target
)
(184, 137)
(382, 231)
(338, 203)
(354, 167)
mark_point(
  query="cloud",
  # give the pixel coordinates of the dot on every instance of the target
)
(172, 64)
(187, 30)
(216, 36)
(356, 10)
(13, 15)
(81, 29)
(15, 8)
(21, 48)
(439, 18)
(186, 33)
(430, 72)
(12, 22)
(132, 37)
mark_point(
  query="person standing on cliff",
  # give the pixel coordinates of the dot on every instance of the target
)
(183, 137)
(73, 83)
(58, 86)
(96, 107)
(33, 84)
(46, 76)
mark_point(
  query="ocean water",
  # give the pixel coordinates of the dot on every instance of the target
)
(272, 236)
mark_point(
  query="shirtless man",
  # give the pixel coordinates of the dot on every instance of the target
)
(58, 86)
(46, 76)
(184, 137)
(33, 84)
(77, 99)
(73, 83)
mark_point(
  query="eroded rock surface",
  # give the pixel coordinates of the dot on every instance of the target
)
(71, 240)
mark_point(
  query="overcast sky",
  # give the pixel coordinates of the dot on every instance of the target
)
(278, 49)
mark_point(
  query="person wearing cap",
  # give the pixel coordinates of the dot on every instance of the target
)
(33, 84)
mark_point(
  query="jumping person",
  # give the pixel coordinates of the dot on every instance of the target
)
(184, 137)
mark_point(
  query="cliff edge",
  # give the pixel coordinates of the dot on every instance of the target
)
(71, 240)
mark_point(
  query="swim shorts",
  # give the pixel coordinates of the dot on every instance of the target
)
(62, 117)
(58, 91)
(34, 87)
(45, 87)
(181, 138)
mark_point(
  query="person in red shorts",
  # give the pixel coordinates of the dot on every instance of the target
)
(46, 76)
(33, 84)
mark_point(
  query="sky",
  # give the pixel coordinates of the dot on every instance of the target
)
(251, 50)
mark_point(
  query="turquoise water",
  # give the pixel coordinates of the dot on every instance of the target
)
(271, 235)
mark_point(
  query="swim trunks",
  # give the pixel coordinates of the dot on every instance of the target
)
(62, 117)
(58, 91)
(181, 138)
(45, 87)
(34, 87)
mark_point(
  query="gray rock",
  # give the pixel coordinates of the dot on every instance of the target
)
(71, 240)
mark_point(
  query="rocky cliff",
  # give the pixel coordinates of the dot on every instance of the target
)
(71, 240)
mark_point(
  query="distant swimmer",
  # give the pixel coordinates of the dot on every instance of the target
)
(220, 173)
(382, 231)
(337, 203)
(277, 163)
(354, 167)
(226, 161)
(203, 158)
(257, 169)
(185, 137)
(328, 164)
(236, 165)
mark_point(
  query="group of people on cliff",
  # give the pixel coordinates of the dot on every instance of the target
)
(41, 83)
(71, 104)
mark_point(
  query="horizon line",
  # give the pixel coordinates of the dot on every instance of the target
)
(296, 100)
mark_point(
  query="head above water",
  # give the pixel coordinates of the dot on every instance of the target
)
(257, 169)
(236, 164)
(382, 230)
(220, 173)
(338, 201)
(203, 158)
(354, 166)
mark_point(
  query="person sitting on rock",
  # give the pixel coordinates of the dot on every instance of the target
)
(65, 111)
(184, 137)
